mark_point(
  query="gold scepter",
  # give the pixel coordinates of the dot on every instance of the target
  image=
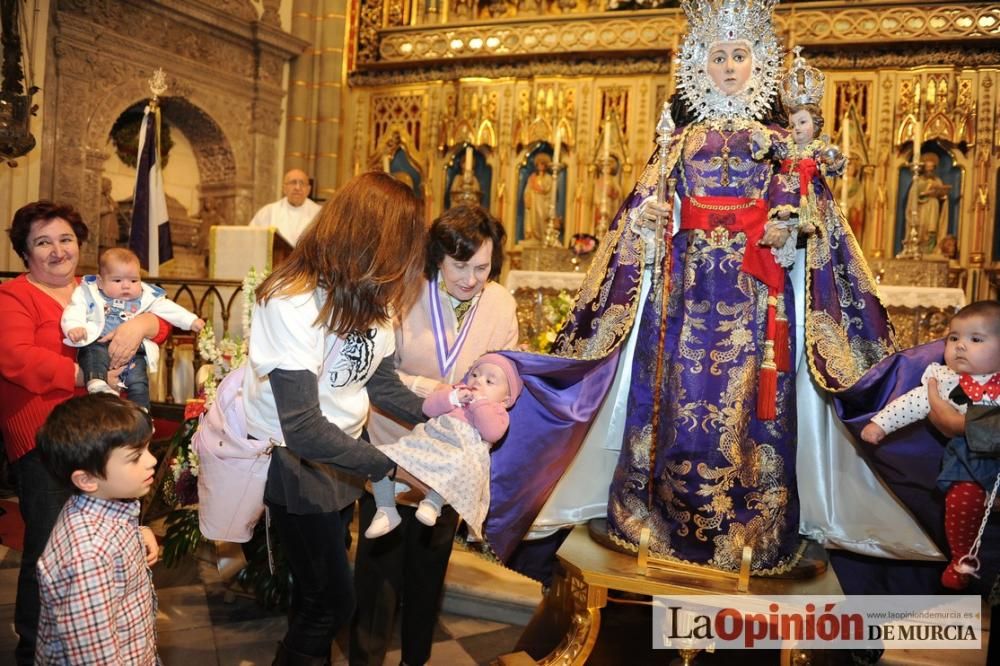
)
(664, 194)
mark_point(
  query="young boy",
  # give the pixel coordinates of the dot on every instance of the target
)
(970, 375)
(95, 587)
(100, 304)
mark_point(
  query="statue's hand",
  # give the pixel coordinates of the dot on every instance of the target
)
(651, 211)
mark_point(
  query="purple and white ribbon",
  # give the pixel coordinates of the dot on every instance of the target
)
(447, 356)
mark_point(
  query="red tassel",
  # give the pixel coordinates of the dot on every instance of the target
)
(782, 348)
(767, 392)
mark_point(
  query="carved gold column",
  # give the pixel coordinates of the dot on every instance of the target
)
(315, 84)
(982, 239)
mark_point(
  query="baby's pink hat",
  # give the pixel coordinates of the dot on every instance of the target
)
(514, 383)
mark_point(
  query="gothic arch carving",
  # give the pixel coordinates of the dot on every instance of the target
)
(224, 75)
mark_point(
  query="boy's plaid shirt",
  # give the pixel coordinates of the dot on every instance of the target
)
(98, 603)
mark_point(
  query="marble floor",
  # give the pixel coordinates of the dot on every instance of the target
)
(201, 622)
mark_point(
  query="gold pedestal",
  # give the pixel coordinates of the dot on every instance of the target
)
(590, 570)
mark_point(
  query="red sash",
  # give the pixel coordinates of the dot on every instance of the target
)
(749, 216)
(807, 168)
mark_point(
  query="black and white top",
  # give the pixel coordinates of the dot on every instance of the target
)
(285, 336)
(310, 390)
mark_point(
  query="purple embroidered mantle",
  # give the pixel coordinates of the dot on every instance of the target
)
(721, 477)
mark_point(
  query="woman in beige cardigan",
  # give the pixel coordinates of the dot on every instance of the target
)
(461, 314)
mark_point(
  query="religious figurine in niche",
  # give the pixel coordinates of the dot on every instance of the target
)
(928, 200)
(114, 228)
(465, 187)
(607, 194)
(530, 7)
(538, 193)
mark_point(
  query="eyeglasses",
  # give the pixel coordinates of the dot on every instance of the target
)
(297, 183)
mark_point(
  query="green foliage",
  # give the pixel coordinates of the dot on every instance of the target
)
(177, 490)
(182, 536)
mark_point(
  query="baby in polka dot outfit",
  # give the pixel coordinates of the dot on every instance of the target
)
(451, 452)
(970, 375)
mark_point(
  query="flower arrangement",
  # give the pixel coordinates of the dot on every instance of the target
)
(551, 314)
(583, 244)
(228, 353)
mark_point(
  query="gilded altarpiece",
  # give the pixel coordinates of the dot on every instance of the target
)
(511, 79)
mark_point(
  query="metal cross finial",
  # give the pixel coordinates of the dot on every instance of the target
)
(158, 84)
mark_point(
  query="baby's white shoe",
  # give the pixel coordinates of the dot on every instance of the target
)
(427, 512)
(100, 386)
(385, 520)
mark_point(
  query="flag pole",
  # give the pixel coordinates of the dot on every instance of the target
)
(150, 232)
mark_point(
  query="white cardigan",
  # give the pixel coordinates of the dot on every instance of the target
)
(86, 310)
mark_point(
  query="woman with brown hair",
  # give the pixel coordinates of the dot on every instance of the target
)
(321, 348)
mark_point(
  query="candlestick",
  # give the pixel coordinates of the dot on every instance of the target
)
(846, 140)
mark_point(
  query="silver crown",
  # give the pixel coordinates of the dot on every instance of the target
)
(803, 84)
(714, 21)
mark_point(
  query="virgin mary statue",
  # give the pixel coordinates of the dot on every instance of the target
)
(670, 404)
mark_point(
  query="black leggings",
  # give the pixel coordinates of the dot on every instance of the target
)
(322, 598)
(406, 567)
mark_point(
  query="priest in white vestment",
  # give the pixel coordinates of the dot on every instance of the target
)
(293, 213)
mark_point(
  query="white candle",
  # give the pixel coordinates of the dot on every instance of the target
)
(607, 140)
(558, 147)
(847, 138)
(385, 163)
(918, 139)
(468, 159)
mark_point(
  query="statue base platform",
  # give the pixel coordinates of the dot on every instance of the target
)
(571, 611)
(813, 562)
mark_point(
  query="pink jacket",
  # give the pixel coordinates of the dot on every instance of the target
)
(489, 418)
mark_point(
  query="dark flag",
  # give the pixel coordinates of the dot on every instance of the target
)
(150, 234)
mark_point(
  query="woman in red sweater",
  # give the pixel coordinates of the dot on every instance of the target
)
(37, 372)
